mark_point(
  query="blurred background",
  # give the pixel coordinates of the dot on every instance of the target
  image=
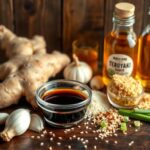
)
(63, 21)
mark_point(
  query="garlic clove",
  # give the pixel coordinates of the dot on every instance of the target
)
(36, 123)
(16, 124)
(3, 117)
(97, 83)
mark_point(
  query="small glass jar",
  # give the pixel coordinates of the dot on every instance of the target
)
(87, 51)
(119, 101)
(63, 114)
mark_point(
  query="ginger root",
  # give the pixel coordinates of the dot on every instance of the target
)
(28, 67)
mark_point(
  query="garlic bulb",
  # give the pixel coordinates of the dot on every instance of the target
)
(97, 83)
(78, 70)
(16, 124)
(3, 117)
(36, 123)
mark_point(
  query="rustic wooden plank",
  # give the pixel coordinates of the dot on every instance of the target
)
(82, 19)
(145, 17)
(6, 13)
(39, 17)
(6, 18)
(25, 142)
(110, 5)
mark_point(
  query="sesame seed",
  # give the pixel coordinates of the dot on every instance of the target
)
(44, 132)
(69, 146)
(32, 137)
(60, 138)
(116, 142)
(41, 143)
(96, 138)
(38, 137)
(58, 143)
(50, 148)
(106, 141)
(95, 147)
(131, 143)
(85, 146)
(78, 138)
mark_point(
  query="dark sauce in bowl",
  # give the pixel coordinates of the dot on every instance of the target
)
(64, 97)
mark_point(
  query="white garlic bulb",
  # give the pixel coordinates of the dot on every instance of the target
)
(97, 83)
(36, 123)
(78, 70)
(3, 117)
(16, 124)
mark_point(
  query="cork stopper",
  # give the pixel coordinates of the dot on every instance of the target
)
(124, 10)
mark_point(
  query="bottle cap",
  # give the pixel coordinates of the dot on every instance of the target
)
(124, 10)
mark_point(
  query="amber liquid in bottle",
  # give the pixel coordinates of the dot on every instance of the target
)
(119, 43)
(143, 72)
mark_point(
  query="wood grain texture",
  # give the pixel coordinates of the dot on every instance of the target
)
(110, 5)
(145, 18)
(25, 142)
(6, 18)
(6, 13)
(82, 19)
(39, 17)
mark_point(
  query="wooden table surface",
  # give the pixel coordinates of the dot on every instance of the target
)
(77, 137)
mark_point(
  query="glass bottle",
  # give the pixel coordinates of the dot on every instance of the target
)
(120, 50)
(143, 71)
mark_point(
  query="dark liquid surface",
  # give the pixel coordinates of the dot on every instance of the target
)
(64, 96)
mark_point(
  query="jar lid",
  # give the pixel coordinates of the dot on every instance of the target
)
(124, 10)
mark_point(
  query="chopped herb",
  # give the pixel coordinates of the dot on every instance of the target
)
(123, 127)
(103, 124)
(137, 123)
(126, 119)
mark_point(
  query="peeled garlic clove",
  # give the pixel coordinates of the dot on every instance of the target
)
(16, 124)
(97, 83)
(36, 123)
(3, 117)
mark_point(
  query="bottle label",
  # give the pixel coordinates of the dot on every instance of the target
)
(119, 64)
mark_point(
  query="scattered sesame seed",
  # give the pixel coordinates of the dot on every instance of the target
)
(136, 130)
(44, 132)
(78, 138)
(116, 142)
(69, 146)
(95, 147)
(58, 143)
(85, 146)
(106, 141)
(41, 143)
(96, 138)
(131, 143)
(50, 148)
(70, 138)
(60, 138)
(32, 136)
(38, 137)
